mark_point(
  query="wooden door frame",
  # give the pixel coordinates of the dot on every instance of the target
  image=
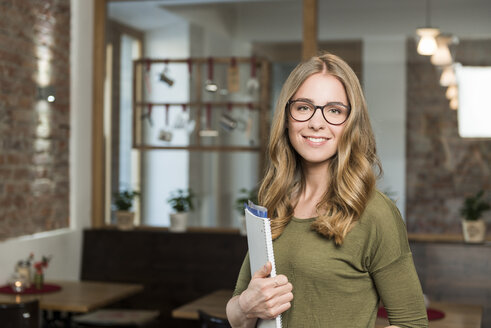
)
(99, 60)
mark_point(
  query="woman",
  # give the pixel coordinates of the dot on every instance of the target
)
(340, 245)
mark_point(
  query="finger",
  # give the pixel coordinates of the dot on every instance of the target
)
(281, 295)
(285, 298)
(264, 271)
(286, 288)
(280, 306)
(283, 307)
(279, 280)
(278, 296)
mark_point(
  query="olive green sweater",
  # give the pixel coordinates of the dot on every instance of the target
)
(340, 286)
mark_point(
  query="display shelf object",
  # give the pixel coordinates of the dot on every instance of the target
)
(221, 105)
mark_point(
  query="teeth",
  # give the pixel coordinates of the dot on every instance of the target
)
(316, 139)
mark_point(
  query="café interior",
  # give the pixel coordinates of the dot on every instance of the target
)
(116, 115)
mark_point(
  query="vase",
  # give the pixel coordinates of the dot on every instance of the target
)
(125, 220)
(24, 269)
(178, 222)
(474, 231)
(38, 280)
(18, 283)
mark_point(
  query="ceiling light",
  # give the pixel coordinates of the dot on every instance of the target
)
(452, 92)
(427, 44)
(454, 103)
(442, 56)
(448, 76)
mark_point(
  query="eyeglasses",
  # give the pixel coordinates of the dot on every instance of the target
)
(334, 113)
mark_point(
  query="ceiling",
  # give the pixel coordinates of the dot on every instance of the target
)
(267, 20)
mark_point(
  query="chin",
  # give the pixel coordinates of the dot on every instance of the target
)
(317, 161)
(318, 158)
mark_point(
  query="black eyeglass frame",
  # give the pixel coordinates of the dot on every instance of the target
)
(290, 102)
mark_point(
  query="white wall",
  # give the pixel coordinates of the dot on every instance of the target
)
(165, 171)
(384, 74)
(65, 244)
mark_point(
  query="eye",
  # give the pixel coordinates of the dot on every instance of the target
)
(335, 110)
(302, 107)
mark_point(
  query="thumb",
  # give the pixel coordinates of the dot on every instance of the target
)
(264, 271)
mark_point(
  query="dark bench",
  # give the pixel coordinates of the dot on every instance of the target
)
(175, 268)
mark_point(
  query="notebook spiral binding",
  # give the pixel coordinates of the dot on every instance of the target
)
(269, 245)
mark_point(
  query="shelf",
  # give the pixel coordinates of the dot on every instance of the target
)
(248, 118)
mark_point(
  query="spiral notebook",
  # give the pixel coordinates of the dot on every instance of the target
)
(260, 244)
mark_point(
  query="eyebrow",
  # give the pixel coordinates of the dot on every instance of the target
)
(329, 103)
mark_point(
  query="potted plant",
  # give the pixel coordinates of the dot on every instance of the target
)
(244, 196)
(123, 202)
(181, 202)
(473, 226)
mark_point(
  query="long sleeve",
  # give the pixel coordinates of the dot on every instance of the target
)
(391, 266)
(400, 291)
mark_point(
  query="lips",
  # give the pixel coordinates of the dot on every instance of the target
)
(315, 141)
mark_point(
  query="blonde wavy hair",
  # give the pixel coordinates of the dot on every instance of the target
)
(351, 170)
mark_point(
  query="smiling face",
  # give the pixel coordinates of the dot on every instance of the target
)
(315, 140)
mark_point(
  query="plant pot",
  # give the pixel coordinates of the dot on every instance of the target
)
(178, 222)
(474, 231)
(124, 220)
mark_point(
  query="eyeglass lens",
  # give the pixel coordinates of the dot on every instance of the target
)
(333, 113)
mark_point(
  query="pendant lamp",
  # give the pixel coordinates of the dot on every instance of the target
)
(448, 76)
(454, 103)
(442, 55)
(451, 92)
(427, 43)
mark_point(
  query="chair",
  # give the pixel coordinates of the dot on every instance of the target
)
(208, 321)
(20, 315)
(116, 318)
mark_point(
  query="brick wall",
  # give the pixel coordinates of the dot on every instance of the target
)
(442, 168)
(34, 134)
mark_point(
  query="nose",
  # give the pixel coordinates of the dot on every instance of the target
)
(317, 121)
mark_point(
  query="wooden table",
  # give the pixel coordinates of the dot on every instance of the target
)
(456, 315)
(213, 304)
(78, 296)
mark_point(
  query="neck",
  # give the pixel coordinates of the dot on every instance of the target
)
(316, 175)
(316, 183)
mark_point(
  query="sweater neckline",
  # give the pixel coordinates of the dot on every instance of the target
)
(303, 220)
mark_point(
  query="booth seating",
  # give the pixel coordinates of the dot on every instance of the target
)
(175, 268)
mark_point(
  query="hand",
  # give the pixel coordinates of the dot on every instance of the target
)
(265, 297)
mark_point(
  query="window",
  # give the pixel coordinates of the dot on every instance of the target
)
(474, 113)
